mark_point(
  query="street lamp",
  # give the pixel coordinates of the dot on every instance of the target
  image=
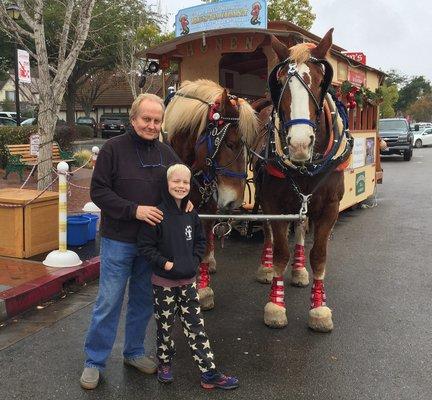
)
(14, 12)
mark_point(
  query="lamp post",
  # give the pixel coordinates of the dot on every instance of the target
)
(14, 12)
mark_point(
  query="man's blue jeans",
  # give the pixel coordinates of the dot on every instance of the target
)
(119, 262)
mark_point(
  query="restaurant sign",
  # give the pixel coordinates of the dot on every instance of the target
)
(224, 14)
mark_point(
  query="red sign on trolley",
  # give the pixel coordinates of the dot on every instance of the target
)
(357, 56)
(357, 78)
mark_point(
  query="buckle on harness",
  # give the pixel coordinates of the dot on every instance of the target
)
(304, 206)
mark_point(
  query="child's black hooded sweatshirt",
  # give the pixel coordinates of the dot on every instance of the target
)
(178, 238)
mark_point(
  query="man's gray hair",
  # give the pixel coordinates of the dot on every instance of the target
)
(143, 97)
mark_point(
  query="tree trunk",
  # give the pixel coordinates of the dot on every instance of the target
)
(47, 119)
(70, 97)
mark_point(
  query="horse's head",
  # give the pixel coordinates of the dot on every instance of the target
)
(219, 128)
(298, 85)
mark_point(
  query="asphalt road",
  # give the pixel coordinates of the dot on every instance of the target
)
(379, 282)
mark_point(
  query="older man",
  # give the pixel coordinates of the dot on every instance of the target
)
(126, 185)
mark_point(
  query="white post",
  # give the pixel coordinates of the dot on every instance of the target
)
(95, 151)
(62, 257)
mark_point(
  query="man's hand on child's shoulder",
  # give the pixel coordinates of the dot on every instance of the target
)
(151, 215)
(168, 266)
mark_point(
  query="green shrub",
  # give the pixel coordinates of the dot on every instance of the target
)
(64, 135)
(84, 132)
(81, 157)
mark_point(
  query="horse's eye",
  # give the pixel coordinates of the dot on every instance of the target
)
(229, 145)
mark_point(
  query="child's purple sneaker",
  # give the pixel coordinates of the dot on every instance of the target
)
(164, 373)
(211, 380)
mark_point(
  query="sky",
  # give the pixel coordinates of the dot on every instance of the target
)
(394, 34)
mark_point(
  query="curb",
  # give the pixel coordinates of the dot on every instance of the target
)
(21, 298)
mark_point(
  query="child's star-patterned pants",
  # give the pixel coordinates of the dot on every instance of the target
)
(183, 300)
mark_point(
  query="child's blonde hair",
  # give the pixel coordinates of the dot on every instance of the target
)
(176, 168)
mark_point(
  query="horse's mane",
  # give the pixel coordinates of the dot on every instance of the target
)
(301, 52)
(186, 114)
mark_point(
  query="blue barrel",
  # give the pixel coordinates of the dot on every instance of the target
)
(92, 226)
(77, 230)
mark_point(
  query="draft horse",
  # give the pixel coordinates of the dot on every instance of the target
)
(302, 148)
(210, 131)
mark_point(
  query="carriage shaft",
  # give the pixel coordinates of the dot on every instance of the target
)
(260, 217)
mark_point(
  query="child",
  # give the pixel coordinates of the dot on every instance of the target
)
(175, 248)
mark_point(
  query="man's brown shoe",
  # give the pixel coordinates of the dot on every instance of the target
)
(144, 364)
(89, 378)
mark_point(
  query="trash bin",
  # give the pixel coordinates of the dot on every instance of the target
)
(92, 226)
(77, 230)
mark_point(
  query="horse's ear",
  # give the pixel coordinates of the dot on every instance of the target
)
(225, 101)
(324, 45)
(279, 48)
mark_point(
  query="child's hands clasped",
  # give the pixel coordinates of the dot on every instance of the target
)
(168, 265)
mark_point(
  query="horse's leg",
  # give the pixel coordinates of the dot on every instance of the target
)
(299, 274)
(205, 292)
(265, 270)
(320, 316)
(275, 311)
(211, 257)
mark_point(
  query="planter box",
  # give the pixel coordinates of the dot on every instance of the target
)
(31, 229)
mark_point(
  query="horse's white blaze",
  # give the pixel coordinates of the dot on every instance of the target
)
(300, 141)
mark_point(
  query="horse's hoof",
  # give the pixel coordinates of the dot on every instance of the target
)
(275, 316)
(206, 298)
(299, 277)
(320, 319)
(264, 274)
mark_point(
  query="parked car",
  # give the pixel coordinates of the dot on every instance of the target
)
(8, 114)
(29, 121)
(398, 137)
(113, 124)
(88, 121)
(5, 121)
(423, 137)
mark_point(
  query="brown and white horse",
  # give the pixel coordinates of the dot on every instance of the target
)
(304, 148)
(210, 131)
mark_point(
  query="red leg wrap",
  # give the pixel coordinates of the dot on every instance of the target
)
(299, 257)
(318, 296)
(267, 256)
(277, 291)
(204, 276)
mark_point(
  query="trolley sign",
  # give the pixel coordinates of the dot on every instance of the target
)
(225, 14)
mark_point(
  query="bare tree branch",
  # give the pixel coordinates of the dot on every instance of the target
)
(25, 15)
(65, 32)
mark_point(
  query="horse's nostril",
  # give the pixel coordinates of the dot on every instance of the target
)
(289, 140)
(312, 138)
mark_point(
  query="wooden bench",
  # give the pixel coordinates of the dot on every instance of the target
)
(19, 158)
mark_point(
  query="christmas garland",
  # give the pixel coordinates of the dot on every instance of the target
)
(358, 96)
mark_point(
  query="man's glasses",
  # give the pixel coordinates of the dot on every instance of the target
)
(142, 165)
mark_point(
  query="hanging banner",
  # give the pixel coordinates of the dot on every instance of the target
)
(23, 67)
(224, 14)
